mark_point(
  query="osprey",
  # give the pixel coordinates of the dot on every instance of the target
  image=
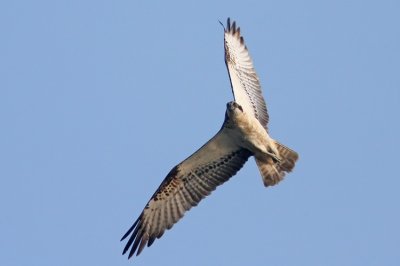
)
(244, 133)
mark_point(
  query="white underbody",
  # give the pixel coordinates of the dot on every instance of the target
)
(250, 134)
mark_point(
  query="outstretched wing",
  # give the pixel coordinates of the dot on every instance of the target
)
(245, 84)
(184, 187)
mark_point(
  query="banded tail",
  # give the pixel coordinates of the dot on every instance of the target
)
(273, 172)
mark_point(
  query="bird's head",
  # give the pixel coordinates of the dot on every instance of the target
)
(234, 106)
(233, 109)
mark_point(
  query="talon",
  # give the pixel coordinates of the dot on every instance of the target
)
(275, 157)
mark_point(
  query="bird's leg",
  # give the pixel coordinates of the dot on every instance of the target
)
(275, 157)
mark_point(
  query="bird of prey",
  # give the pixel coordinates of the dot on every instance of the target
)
(244, 133)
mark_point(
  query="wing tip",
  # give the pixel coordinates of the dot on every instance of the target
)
(131, 228)
(232, 29)
(136, 237)
(139, 234)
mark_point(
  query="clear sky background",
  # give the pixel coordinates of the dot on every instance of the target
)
(100, 99)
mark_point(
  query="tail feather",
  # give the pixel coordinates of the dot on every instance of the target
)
(273, 172)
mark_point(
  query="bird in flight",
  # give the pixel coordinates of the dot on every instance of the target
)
(244, 133)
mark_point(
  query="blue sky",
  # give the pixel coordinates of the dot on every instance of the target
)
(100, 99)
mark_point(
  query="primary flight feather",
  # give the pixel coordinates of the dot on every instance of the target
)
(244, 133)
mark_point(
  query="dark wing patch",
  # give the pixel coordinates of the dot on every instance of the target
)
(178, 193)
(245, 83)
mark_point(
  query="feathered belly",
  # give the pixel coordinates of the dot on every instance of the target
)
(252, 134)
